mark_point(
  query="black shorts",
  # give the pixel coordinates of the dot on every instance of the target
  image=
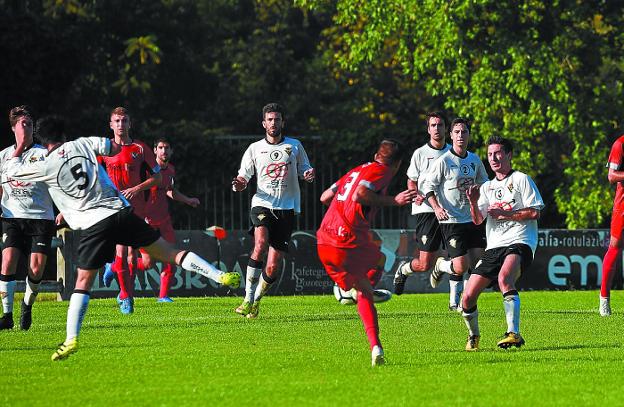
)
(28, 235)
(492, 260)
(428, 234)
(279, 223)
(460, 237)
(97, 243)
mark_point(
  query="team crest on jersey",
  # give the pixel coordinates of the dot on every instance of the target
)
(453, 243)
(424, 239)
(134, 155)
(510, 187)
(288, 150)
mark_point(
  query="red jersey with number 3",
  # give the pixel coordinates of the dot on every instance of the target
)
(616, 162)
(128, 168)
(347, 223)
(157, 209)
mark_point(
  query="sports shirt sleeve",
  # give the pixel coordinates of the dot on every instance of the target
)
(481, 176)
(150, 160)
(21, 170)
(303, 163)
(376, 178)
(100, 145)
(483, 203)
(247, 167)
(434, 177)
(531, 197)
(413, 172)
(616, 156)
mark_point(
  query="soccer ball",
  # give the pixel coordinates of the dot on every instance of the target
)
(345, 297)
(350, 297)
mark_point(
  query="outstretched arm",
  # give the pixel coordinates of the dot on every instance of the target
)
(176, 195)
(368, 197)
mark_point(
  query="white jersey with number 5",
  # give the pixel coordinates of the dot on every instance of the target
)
(516, 191)
(277, 168)
(78, 185)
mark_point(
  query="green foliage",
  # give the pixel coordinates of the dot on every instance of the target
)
(538, 72)
(312, 351)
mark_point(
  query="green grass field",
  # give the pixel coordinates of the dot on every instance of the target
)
(312, 351)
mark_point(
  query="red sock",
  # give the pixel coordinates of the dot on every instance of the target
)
(165, 279)
(139, 264)
(374, 275)
(368, 314)
(608, 270)
(123, 278)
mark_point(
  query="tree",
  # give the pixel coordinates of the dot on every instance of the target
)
(546, 74)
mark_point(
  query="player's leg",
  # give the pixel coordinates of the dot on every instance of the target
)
(255, 266)
(10, 256)
(476, 284)
(166, 274)
(268, 277)
(609, 262)
(78, 304)
(120, 267)
(509, 274)
(33, 280)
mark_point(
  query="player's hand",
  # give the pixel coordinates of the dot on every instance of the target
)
(405, 197)
(440, 213)
(309, 175)
(193, 202)
(420, 198)
(59, 219)
(498, 213)
(130, 193)
(473, 193)
(238, 184)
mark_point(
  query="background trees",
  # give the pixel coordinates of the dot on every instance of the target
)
(547, 74)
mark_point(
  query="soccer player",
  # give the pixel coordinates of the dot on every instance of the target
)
(511, 203)
(90, 202)
(127, 171)
(615, 176)
(27, 223)
(445, 188)
(157, 210)
(343, 241)
(428, 235)
(278, 162)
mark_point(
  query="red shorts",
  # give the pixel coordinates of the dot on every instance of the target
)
(166, 229)
(346, 266)
(617, 223)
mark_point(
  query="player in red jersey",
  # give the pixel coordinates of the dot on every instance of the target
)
(157, 210)
(343, 240)
(615, 176)
(127, 171)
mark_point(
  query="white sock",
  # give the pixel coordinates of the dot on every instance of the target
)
(75, 313)
(456, 288)
(406, 268)
(264, 285)
(471, 319)
(32, 289)
(194, 263)
(512, 312)
(7, 291)
(445, 266)
(251, 282)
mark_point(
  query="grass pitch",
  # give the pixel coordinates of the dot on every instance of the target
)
(312, 351)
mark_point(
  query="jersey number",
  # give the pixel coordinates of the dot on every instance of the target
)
(347, 186)
(79, 174)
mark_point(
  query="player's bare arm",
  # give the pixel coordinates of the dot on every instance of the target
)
(239, 183)
(176, 195)
(440, 212)
(368, 197)
(152, 181)
(473, 193)
(615, 176)
(517, 215)
(413, 185)
(327, 196)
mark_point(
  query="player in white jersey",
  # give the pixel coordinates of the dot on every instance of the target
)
(27, 223)
(86, 196)
(277, 162)
(428, 235)
(445, 187)
(511, 203)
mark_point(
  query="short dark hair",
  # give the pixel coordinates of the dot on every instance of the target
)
(460, 120)
(161, 140)
(120, 111)
(17, 112)
(437, 114)
(506, 143)
(390, 151)
(272, 107)
(50, 130)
